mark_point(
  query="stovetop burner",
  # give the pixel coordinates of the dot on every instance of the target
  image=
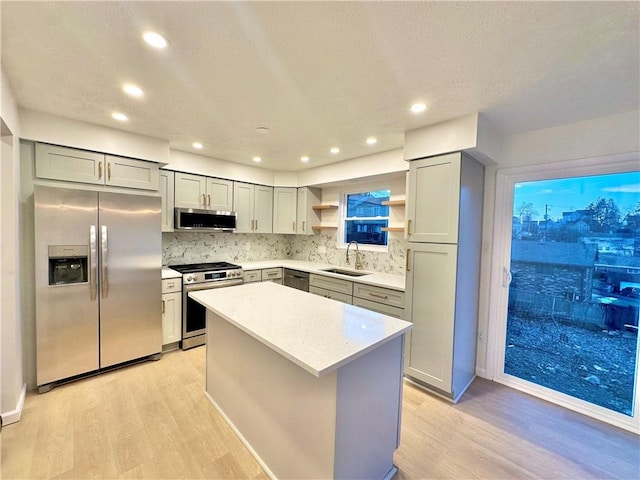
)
(204, 267)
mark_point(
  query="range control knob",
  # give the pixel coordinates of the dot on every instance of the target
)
(190, 278)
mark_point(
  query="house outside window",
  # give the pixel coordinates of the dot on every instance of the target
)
(364, 217)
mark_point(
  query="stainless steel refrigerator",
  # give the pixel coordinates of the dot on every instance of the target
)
(98, 281)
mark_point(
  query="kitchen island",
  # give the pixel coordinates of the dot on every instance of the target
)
(312, 386)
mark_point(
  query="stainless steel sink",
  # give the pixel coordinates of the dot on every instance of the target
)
(349, 273)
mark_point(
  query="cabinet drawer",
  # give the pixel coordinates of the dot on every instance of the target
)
(323, 292)
(271, 273)
(387, 296)
(170, 285)
(379, 307)
(251, 276)
(330, 283)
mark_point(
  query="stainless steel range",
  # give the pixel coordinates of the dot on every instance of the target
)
(202, 276)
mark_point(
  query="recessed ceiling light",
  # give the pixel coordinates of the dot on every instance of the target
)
(155, 39)
(262, 130)
(121, 117)
(372, 141)
(257, 159)
(132, 90)
(335, 150)
(197, 145)
(304, 159)
(418, 107)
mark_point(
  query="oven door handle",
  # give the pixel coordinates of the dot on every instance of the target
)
(210, 285)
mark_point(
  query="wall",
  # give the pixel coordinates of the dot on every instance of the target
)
(42, 127)
(12, 387)
(194, 247)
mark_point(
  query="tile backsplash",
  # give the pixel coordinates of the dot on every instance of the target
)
(193, 247)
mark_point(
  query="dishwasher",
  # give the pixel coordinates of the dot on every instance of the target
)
(296, 279)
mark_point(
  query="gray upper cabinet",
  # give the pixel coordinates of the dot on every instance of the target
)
(131, 173)
(219, 194)
(434, 199)
(284, 210)
(73, 165)
(204, 193)
(69, 164)
(254, 206)
(167, 195)
(306, 216)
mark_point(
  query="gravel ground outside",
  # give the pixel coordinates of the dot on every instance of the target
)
(590, 364)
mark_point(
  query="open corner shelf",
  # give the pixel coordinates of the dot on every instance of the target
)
(393, 229)
(325, 207)
(323, 227)
(394, 203)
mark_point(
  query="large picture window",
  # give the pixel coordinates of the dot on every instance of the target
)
(365, 217)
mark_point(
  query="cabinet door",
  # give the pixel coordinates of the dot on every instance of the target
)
(430, 306)
(191, 191)
(132, 173)
(219, 194)
(243, 199)
(263, 209)
(433, 202)
(284, 210)
(306, 216)
(167, 195)
(60, 163)
(171, 317)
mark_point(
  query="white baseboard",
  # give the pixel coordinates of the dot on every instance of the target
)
(13, 416)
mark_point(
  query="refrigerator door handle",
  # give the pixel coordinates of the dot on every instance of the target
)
(104, 270)
(93, 267)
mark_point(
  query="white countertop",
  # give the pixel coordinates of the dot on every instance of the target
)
(317, 334)
(385, 280)
(170, 273)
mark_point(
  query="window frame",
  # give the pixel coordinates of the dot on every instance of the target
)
(342, 217)
(497, 293)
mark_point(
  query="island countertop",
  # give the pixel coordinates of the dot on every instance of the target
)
(317, 334)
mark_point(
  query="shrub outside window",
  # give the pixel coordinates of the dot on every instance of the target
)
(365, 216)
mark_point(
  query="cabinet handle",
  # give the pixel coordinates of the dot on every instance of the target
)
(204, 200)
(170, 285)
(384, 297)
(256, 223)
(208, 200)
(271, 274)
(108, 170)
(406, 266)
(303, 225)
(99, 169)
(409, 227)
(162, 306)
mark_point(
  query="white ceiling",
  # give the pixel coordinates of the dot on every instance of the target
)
(320, 74)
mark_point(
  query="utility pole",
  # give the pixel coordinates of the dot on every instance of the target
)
(544, 234)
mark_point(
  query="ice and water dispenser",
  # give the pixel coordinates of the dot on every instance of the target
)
(68, 264)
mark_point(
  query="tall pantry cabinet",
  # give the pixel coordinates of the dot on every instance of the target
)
(444, 230)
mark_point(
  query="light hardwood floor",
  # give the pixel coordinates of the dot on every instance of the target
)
(153, 421)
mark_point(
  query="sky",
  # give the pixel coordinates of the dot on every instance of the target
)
(569, 194)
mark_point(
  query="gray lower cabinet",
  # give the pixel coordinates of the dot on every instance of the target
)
(379, 299)
(333, 288)
(272, 275)
(251, 276)
(171, 313)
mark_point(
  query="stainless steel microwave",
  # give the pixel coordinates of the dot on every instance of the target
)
(204, 220)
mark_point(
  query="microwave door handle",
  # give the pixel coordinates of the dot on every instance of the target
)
(93, 267)
(104, 270)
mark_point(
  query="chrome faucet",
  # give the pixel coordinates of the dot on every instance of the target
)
(358, 265)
